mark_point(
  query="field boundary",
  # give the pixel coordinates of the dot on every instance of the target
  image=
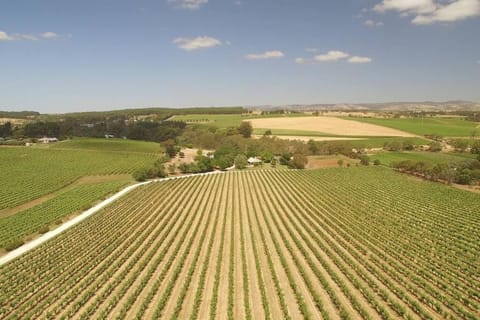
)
(12, 255)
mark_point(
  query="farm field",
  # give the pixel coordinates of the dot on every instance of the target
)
(226, 120)
(14, 228)
(357, 243)
(326, 125)
(446, 127)
(429, 157)
(121, 145)
(30, 173)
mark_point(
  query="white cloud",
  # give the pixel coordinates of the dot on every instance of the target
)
(406, 6)
(334, 55)
(371, 23)
(4, 36)
(190, 44)
(455, 11)
(49, 35)
(358, 59)
(188, 4)
(331, 56)
(432, 11)
(27, 36)
(300, 60)
(265, 55)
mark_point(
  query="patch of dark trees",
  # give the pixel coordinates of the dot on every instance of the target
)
(465, 172)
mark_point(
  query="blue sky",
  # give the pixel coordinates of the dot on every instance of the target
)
(61, 56)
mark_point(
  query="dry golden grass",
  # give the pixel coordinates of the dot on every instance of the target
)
(329, 125)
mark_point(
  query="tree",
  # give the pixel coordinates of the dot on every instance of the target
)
(298, 162)
(364, 160)
(241, 161)
(169, 146)
(460, 145)
(476, 147)
(435, 147)
(140, 174)
(245, 129)
(376, 162)
(340, 162)
(268, 133)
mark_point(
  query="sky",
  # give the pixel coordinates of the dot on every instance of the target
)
(61, 56)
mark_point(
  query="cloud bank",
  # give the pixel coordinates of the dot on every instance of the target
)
(188, 4)
(333, 56)
(426, 12)
(191, 44)
(266, 55)
(4, 36)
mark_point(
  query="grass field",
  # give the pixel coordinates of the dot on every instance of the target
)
(446, 127)
(357, 243)
(29, 173)
(387, 158)
(108, 145)
(226, 120)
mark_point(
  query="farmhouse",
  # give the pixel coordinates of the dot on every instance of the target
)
(254, 161)
(47, 140)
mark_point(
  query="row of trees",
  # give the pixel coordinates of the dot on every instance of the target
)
(464, 172)
(136, 130)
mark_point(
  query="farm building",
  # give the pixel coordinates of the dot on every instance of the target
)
(47, 140)
(254, 161)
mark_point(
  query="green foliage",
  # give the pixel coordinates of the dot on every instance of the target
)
(298, 161)
(460, 145)
(169, 146)
(245, 129)
(241, 161)
(364, 160)
(476, 147)
(435, 147)
(377, 162)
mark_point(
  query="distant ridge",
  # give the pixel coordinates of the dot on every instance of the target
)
(447, 106)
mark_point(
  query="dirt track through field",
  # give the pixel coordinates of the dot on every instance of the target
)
(329, 125)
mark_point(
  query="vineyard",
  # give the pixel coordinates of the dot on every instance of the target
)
(15, 227)
(29, 173)
(357, 243)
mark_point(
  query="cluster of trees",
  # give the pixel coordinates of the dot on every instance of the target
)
(201, 164)
(461, 145)
(6, 130)
(464, 172)
(136, 130)
(155, 171)
(399, 145)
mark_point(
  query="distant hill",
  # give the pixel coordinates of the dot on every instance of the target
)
(447, 106)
